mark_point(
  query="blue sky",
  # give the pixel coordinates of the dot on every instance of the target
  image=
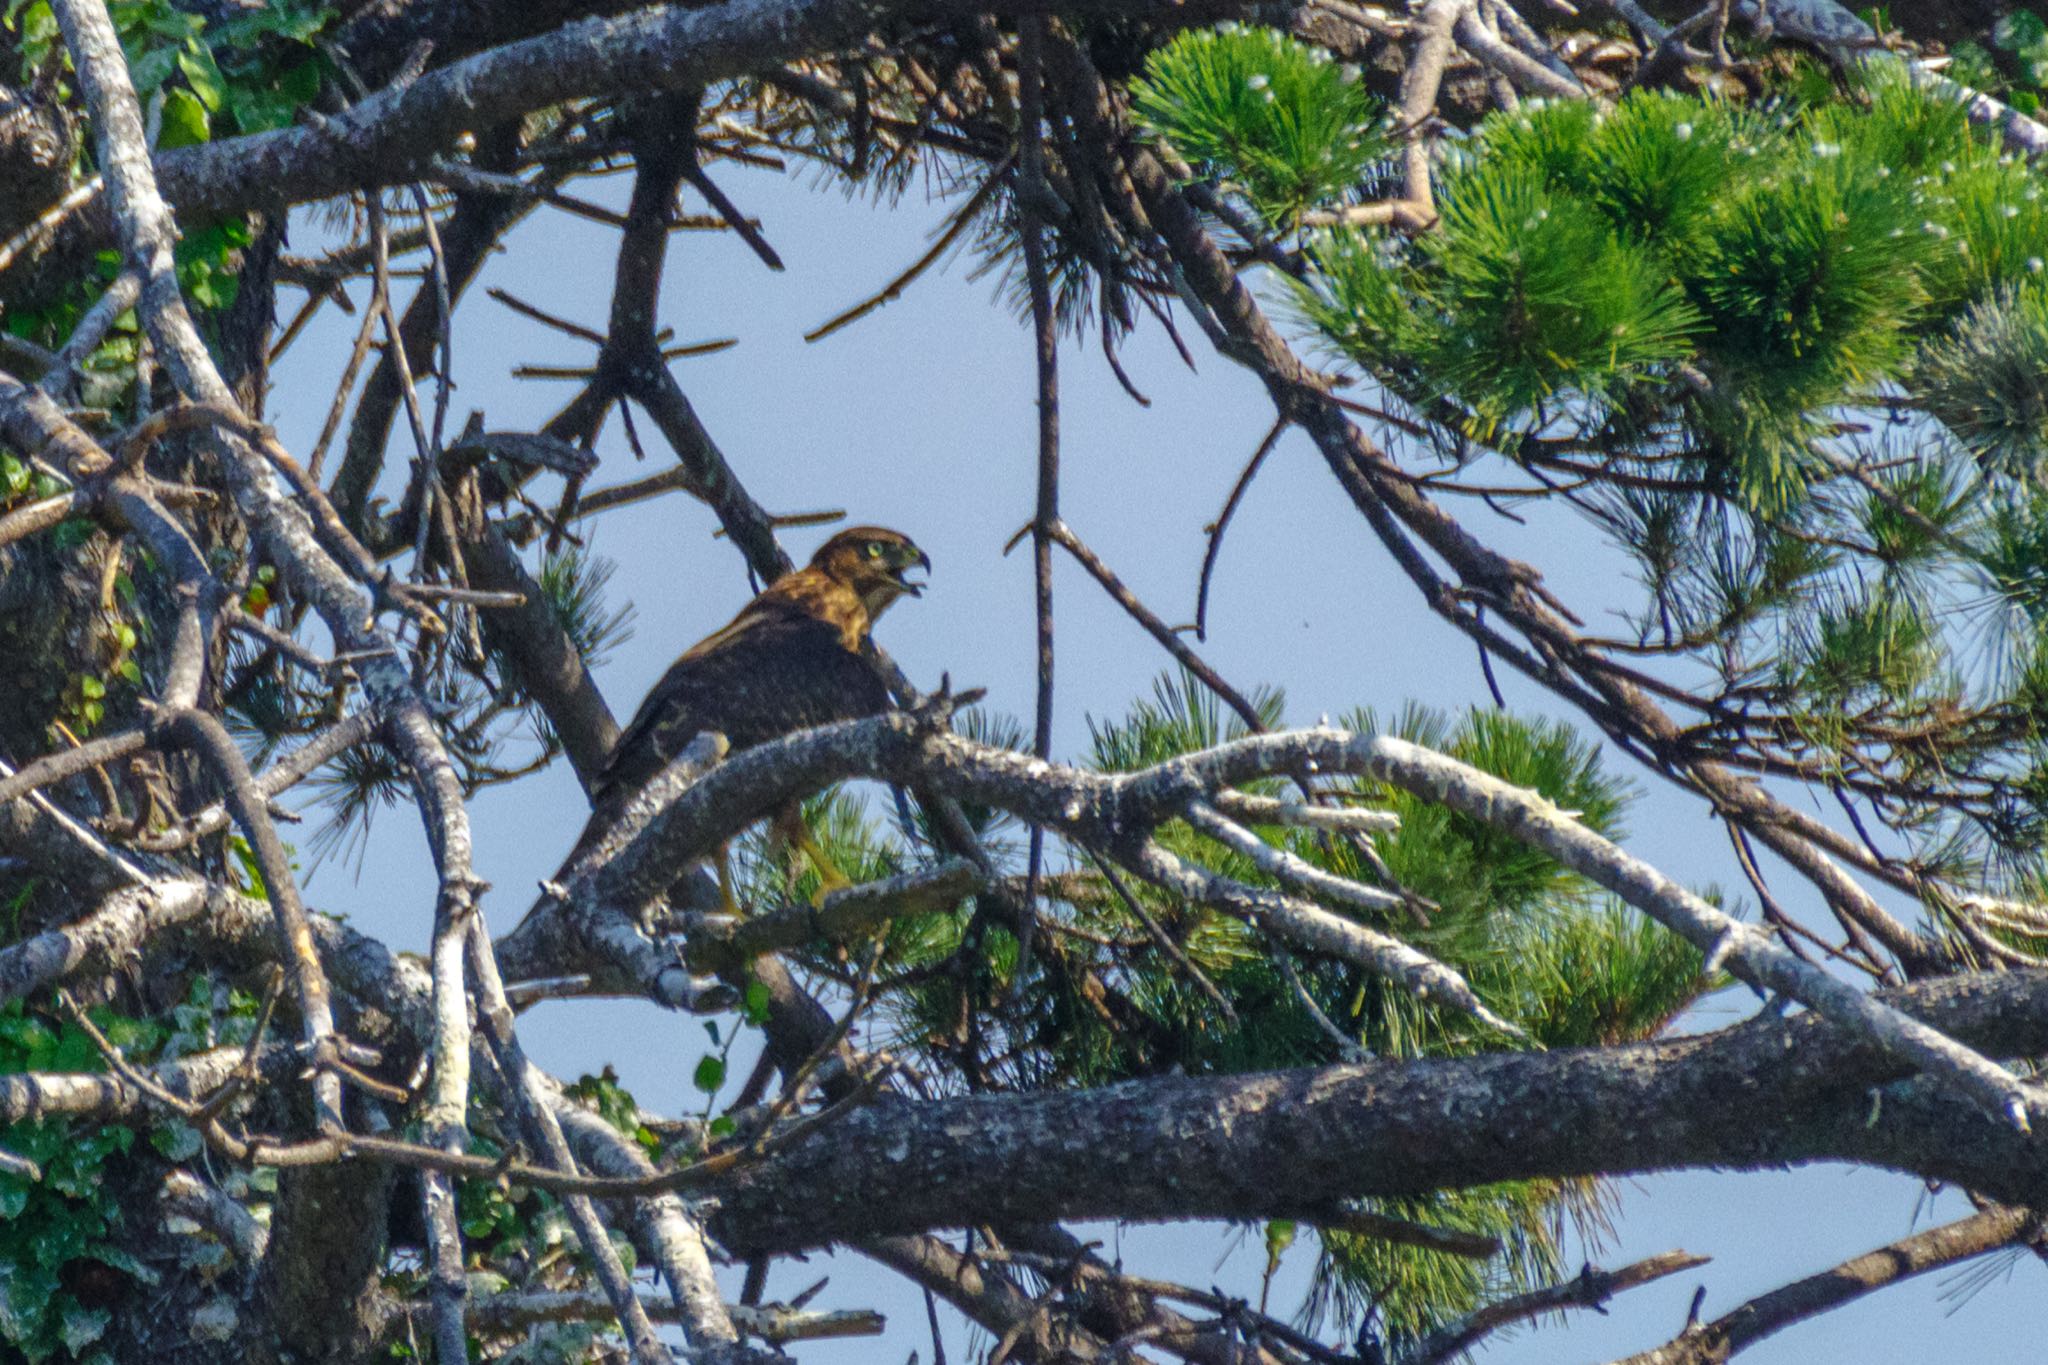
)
(920, 417)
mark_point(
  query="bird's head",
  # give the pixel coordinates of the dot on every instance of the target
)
(872, 561)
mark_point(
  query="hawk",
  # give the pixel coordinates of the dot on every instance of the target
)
(790, 660)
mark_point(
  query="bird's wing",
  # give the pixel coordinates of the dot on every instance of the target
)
(776, 669)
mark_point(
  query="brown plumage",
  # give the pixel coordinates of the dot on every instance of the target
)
(790, 660)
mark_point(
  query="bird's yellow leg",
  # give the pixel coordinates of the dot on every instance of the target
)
(726, 900)
(830, 878)
(788, 831)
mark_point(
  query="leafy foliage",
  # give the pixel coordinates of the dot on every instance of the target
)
(2013, 65)
(60, 1227)
(248, 73)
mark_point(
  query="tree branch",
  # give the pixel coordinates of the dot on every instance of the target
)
(1590, 1288)
(1762, 1095)
(1715, 1342)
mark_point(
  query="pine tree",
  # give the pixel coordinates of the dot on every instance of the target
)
(1755, 296)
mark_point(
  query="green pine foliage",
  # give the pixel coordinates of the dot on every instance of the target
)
(1789, 356)
(1523, 930)
(1402, 1293)
(1180, 717)
(1734, 274)
(1806, 279)
(1101, 1003)
(352, 789)
(768, 873)
(2015, 564)
(1526, 295)
(573, 580)
(1983, 378)
(1291, 128)
(1779, 262)
(1926, 504)
(1862, 648)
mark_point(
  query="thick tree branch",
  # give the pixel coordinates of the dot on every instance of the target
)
(1763, 1095)
(1117, 815)
(663, 1230)
(392, 137)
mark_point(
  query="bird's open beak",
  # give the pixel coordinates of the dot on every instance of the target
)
(923, 561)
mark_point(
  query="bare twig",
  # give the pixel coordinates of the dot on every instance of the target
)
(1712, 1343)
(1311, 927)
(1590, 1288)
(1169, 639)
(1217, 527)
(956, 223)
(197, 730)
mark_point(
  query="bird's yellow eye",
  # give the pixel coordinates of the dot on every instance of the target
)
(874, 549)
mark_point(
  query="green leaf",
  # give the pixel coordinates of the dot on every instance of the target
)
(150, 70)
(755, 1005)
(196, 61)
(38, 28)
(186, 123)
(26, 1295)
(176, 1141)
(79, 1326)
(275, 102)
(58, 1239)
(36, 1039)
(293, 20)
(127, 1264)
(710, 1073)
(611, 1099)
(252, 871)
(2019, 31)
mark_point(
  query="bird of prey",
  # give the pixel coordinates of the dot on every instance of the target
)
(790, 660)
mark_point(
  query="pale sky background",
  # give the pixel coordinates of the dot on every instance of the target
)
(920, 417)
